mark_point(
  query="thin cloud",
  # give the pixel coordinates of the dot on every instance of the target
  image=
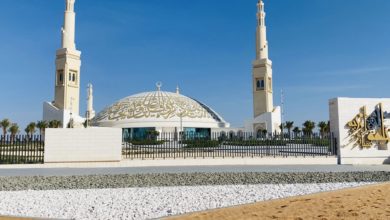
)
(337, 88)
(360, 71)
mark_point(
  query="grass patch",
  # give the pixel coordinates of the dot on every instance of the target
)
(201, 143)
(10, 159)
(255, 143)
(146, 142)
(275, 142)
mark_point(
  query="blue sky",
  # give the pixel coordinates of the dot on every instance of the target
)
(320, 49)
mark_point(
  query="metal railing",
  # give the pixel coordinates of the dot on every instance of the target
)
(222, 144)
(21, 149)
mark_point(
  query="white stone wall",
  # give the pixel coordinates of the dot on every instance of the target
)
(343, 110)
(50, 113)
(83, 145)
(271, 121)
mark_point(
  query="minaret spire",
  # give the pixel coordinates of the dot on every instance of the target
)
(261, 33)
(68, 30)
(177, 89)
(90, 112)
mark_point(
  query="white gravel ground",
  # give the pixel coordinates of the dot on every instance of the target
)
(146, 203)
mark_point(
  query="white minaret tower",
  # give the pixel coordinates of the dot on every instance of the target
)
(266, 116)
(90, 114)
(262, 68)
(68, 62)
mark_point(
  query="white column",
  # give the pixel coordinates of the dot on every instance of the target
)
(90, 112)
(68, 30)
(261, 35)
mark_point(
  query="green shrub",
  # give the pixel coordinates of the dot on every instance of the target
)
(314, 142)
(255, 143)
(201, 143)
(146, 142)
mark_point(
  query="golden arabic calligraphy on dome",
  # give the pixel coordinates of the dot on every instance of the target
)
(158, 104)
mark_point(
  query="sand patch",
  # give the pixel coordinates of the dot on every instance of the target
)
(368, 202)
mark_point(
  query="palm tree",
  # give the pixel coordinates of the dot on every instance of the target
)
(42, 125)
(54, 124)
(27, 130)
(264, 132)
(51, 124)
(5, 123)
(31, 128)
(328, 127)
(282, 127)
(13, 129)
(296, 131)
(57, 124)
(289, 125)
(323, 126)
(152, 134)
(308, 127)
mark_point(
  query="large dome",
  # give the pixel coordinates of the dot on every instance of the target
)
(159, 109)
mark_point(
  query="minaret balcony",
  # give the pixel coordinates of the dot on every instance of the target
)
(262, 63)
(66, 51)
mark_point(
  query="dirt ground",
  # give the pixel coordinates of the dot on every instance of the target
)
(368, 202)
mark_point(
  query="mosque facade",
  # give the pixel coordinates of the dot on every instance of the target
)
(162, 111)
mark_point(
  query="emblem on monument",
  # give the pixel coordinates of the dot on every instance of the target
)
(369, 130)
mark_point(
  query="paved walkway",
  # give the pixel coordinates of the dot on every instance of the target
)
(181, 162)
(188, 169)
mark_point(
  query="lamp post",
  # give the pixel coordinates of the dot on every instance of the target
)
(71, 122)
(181, 122)
(87, 119)
(181, 113)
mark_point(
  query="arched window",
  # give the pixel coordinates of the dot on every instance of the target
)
(259, 133)
(60, 77)
(260, 84)
(70, 77)
(74, 77)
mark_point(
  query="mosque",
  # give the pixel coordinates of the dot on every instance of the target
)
(161, 111)
(157, 110)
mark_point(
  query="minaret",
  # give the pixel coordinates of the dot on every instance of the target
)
(261, 33)
(68, 62)
(90, 112)
(262, 68)
(177, 89)
(68, 30)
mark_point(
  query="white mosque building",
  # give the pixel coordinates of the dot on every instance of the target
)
(157, 110)
(162, 111)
